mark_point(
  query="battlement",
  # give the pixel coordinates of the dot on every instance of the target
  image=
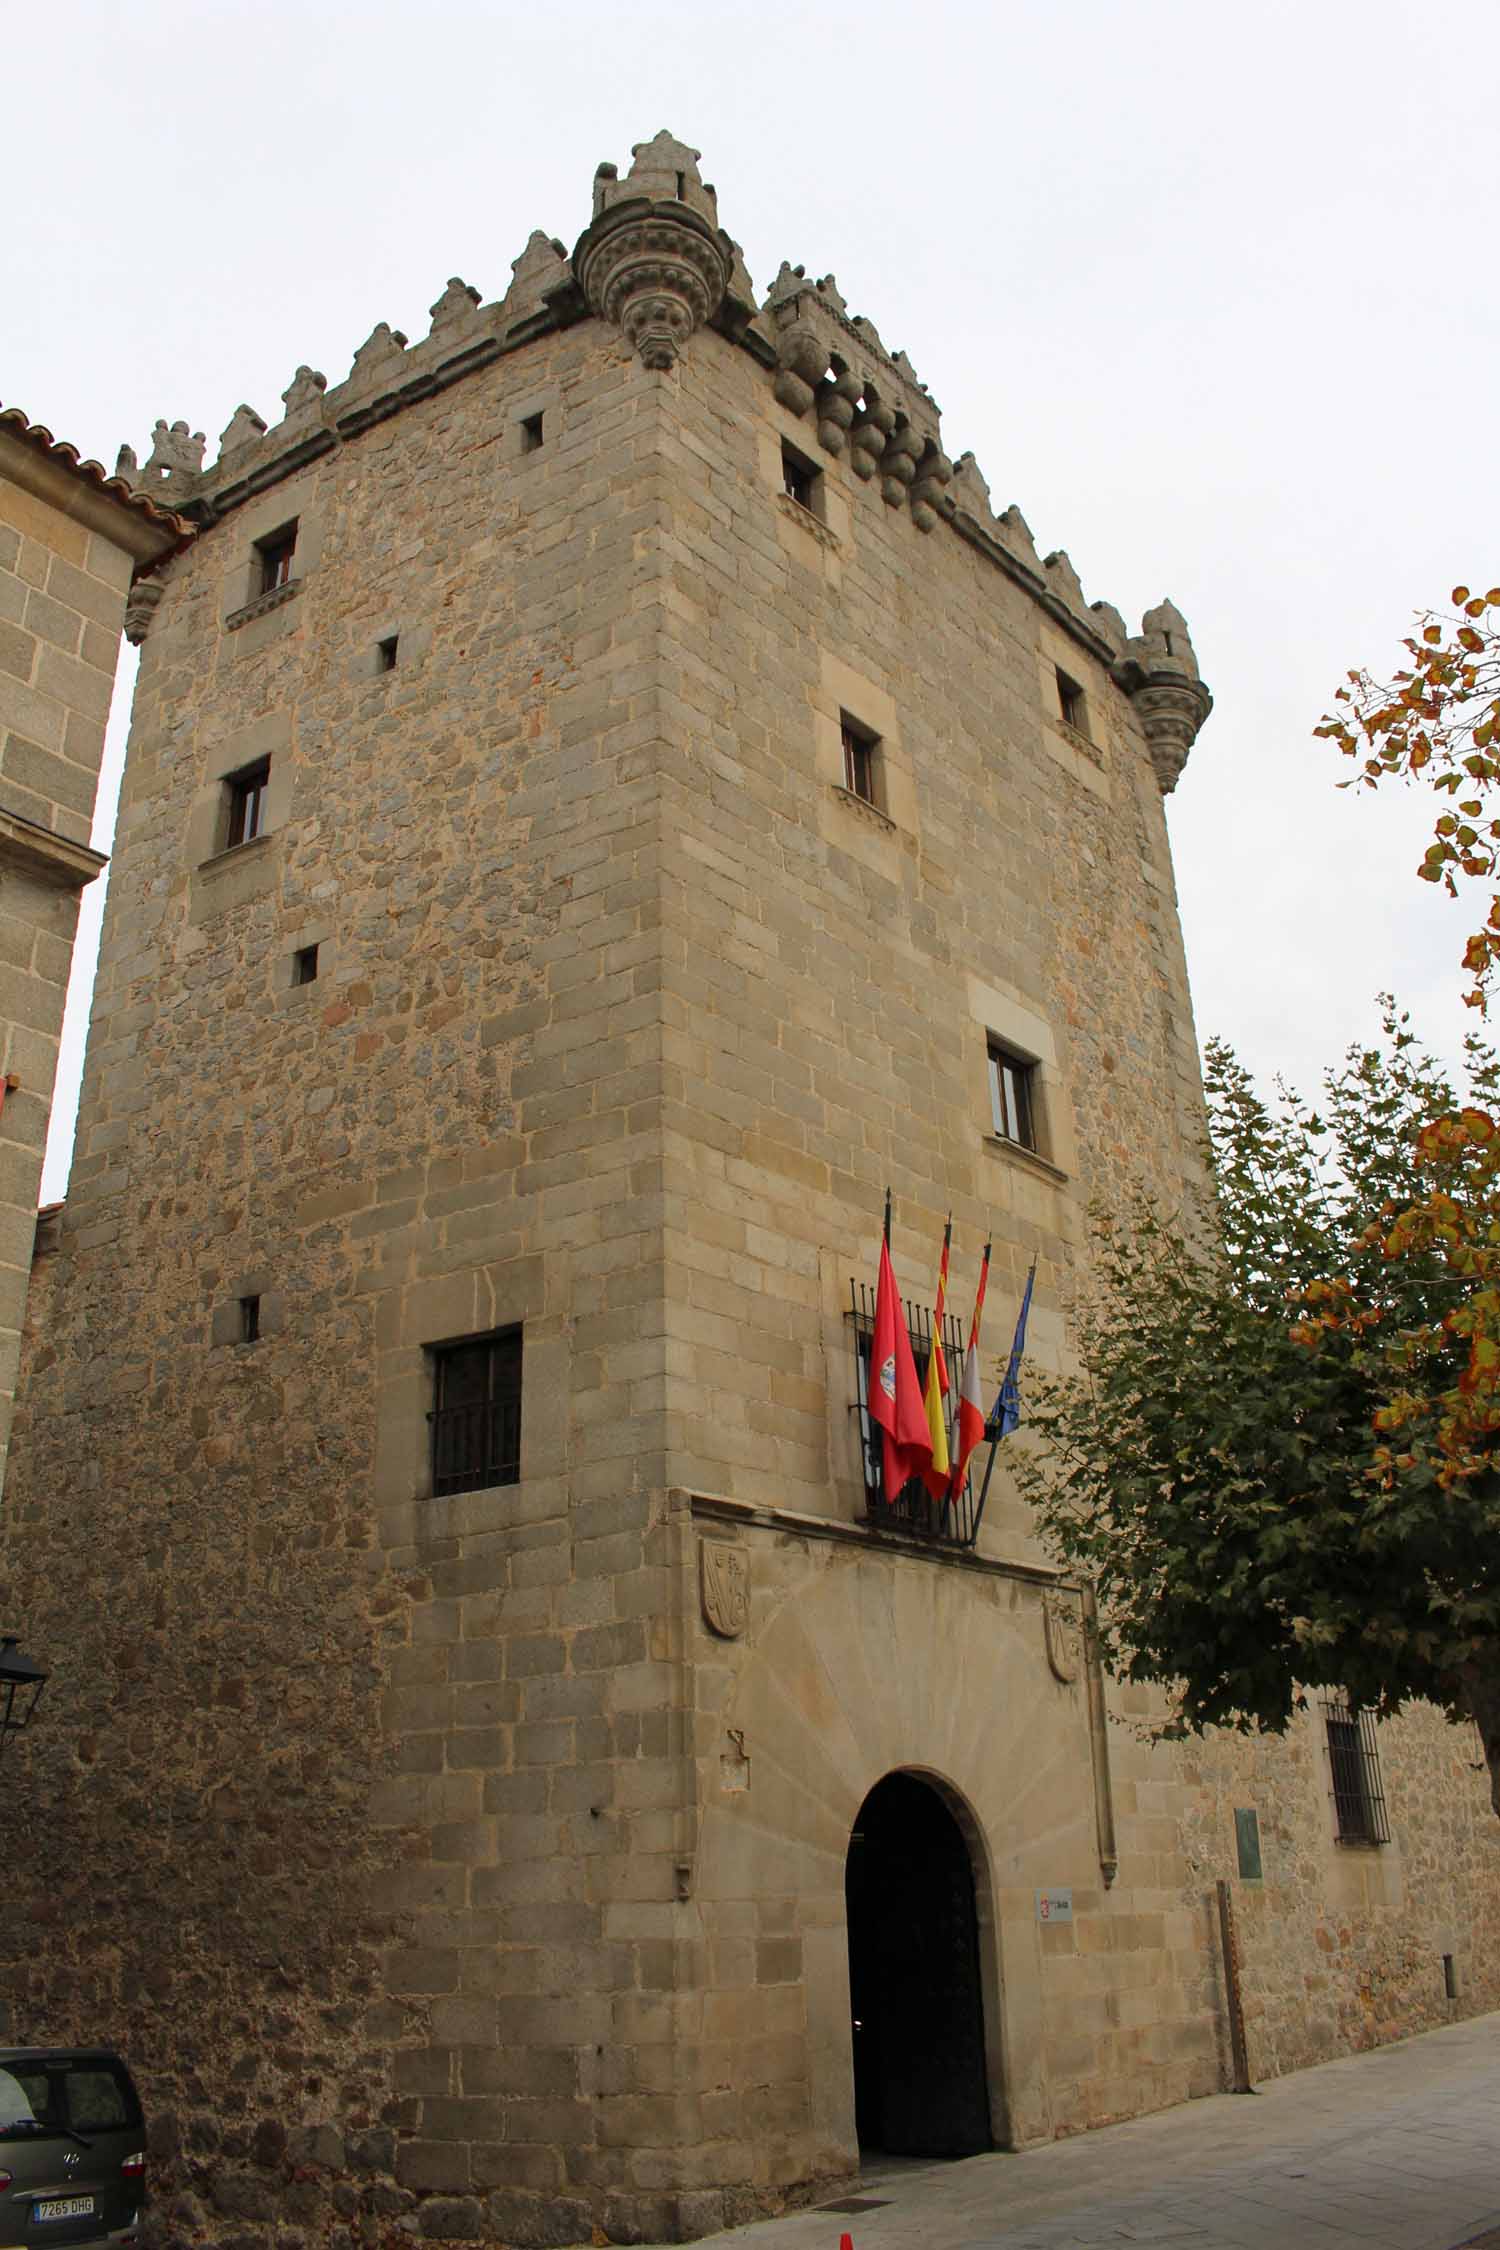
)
(655, 263)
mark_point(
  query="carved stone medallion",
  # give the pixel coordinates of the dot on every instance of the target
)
(726, 1586)
(1064, 1630)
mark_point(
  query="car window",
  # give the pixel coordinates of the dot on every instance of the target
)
(96, 2101)
(22, 2095)
(94, 2097)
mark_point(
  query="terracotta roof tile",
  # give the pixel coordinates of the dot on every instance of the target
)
(56, 449)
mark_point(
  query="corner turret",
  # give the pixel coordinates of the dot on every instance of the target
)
(1159, 672)
(654, 259)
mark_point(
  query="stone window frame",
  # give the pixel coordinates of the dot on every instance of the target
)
(845, 696)
(225, 874)
(522, 415)
(411, 643)
(798, 469)
(457, 1469)
(228, 1321)
(863, 764)
(411, 1319)
(246, 797)
(1072, 703)
(317, 937)
(1016, 1102)
(1022, 1033)
(250, 604)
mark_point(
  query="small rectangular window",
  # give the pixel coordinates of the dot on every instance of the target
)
(274, 558)
(305, 965)
(385, 653)
(1247, 1843)
(1354, 1764)
(532, 433)
(1012, 1108)
(801, 480)
(1072, 704)
(476, 1412)
(860, 759)
(247, 804)
(249, 1320)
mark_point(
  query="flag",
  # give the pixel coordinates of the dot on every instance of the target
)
(935, 1394)
(970, 1399)
(1008, 1404)
(895, 1396)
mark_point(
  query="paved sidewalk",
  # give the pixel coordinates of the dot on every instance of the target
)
(1399, 2149)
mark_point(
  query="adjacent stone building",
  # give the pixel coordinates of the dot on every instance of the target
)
(608, 796)
(72, 542)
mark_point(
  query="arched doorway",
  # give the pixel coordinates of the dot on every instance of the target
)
(914, 1984)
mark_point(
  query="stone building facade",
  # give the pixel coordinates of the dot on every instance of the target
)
(72, 542)
(607, 796)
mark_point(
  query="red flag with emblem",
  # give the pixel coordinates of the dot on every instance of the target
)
(895, 1395)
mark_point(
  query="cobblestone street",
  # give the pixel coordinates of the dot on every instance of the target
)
(1398, 2148)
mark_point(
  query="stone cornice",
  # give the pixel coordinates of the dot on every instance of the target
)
(711, 1508)
(39, 851)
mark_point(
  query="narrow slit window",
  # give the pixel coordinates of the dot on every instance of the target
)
(249, 1320)
(386, 652)
(274, 559)
(533, 432)
(861, 749)
(1012, 1108)
(305, 965)
(246, 792)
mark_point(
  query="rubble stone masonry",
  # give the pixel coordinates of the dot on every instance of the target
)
(458, 1865)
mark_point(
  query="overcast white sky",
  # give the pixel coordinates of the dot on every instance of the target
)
(1208, 292)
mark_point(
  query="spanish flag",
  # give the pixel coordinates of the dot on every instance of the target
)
(937, 1475)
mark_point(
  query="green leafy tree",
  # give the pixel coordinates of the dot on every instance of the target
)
(1231, 1465)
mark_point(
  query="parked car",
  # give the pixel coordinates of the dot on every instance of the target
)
(72, 2148)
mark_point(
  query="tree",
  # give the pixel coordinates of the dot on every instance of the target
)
(1231, 1466)
(1437, 722)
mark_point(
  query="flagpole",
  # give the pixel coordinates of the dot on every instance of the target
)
(887, 1218)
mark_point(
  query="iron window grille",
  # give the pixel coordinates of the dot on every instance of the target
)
(954, 1520)
(1354, 1761)
(476, 1413)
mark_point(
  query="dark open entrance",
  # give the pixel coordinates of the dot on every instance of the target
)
(919, 2076)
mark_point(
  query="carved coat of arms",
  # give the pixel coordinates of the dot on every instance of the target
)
(1064, 1630)
(726, 1586)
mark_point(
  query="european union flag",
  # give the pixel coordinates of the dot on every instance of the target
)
(1007, 1411)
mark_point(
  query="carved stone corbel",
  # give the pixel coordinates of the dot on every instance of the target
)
(140, 607)
(655, 270)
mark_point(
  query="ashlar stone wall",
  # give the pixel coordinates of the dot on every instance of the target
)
(68, 550)
(471, 1870)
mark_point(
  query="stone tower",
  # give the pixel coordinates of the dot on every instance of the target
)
(606, 797)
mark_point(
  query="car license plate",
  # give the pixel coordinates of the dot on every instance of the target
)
(65, 2207)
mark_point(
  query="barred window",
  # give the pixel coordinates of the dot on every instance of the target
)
(476, 1412)
(1354, 1762)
